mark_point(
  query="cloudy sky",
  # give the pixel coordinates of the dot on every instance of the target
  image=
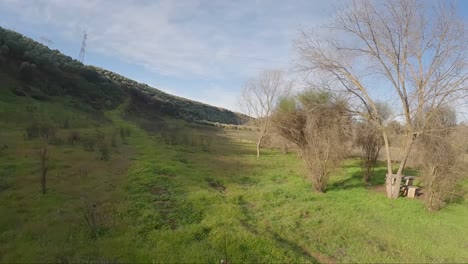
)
(200, 49)
(203, 50)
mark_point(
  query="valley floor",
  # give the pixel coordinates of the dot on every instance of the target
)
(201, 203)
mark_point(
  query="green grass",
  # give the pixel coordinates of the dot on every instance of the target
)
(202, 201)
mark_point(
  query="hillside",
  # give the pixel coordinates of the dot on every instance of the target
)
(128, 180)
(48, 73)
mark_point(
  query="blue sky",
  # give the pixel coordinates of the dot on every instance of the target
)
(199, 49)
(203, 50)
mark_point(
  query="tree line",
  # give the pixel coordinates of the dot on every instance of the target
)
(397, 65)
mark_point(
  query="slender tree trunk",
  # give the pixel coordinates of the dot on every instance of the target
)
(259, 142)
(407, 150)
(388, 181)
(44, 167)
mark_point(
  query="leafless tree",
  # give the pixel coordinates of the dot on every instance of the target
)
(439, 157)
(259, 98)
(416, 55)
(46, 135)
(369, 139)
(317, 123)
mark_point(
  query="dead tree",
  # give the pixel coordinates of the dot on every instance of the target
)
(417, 54)
(47, 133)
(259, 98)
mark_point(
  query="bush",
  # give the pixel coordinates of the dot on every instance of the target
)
(439, 158)
(370, 141)
(317, 123)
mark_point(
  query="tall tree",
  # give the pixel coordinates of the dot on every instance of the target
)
(259, 98)
(417, 55)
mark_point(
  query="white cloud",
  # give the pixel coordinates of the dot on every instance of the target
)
(179, 38)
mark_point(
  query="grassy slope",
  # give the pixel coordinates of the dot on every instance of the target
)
(203, 203)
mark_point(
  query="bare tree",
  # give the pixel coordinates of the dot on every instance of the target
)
(417, 54)
(316, 122)
(369, 139)
(259, 98)
(439, 158)
(47, 132)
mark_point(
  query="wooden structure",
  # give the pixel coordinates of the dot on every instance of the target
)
(407, 188)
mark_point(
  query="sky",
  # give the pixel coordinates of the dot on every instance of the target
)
(204, 50)
(199, 49)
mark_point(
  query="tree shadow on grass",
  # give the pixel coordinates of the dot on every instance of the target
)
(292, 246)
(355, 179)
(281, 242)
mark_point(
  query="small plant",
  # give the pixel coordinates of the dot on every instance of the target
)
(97, 218)
(93, 219)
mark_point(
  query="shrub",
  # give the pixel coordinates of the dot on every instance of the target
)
(317, 123)
(439, 158)
(370, 141)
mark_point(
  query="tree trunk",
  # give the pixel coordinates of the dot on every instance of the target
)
(44, 167)
(43, 181)
(407, 150)
(259, 142)
(388, 181)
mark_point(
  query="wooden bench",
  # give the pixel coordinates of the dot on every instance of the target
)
(408, 189)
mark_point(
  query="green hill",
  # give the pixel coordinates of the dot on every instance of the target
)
(48, 74)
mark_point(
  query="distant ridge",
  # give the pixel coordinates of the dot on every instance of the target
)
(49, 73)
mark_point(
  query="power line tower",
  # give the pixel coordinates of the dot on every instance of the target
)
(83, 47)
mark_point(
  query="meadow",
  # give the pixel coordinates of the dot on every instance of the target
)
(200, 196)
